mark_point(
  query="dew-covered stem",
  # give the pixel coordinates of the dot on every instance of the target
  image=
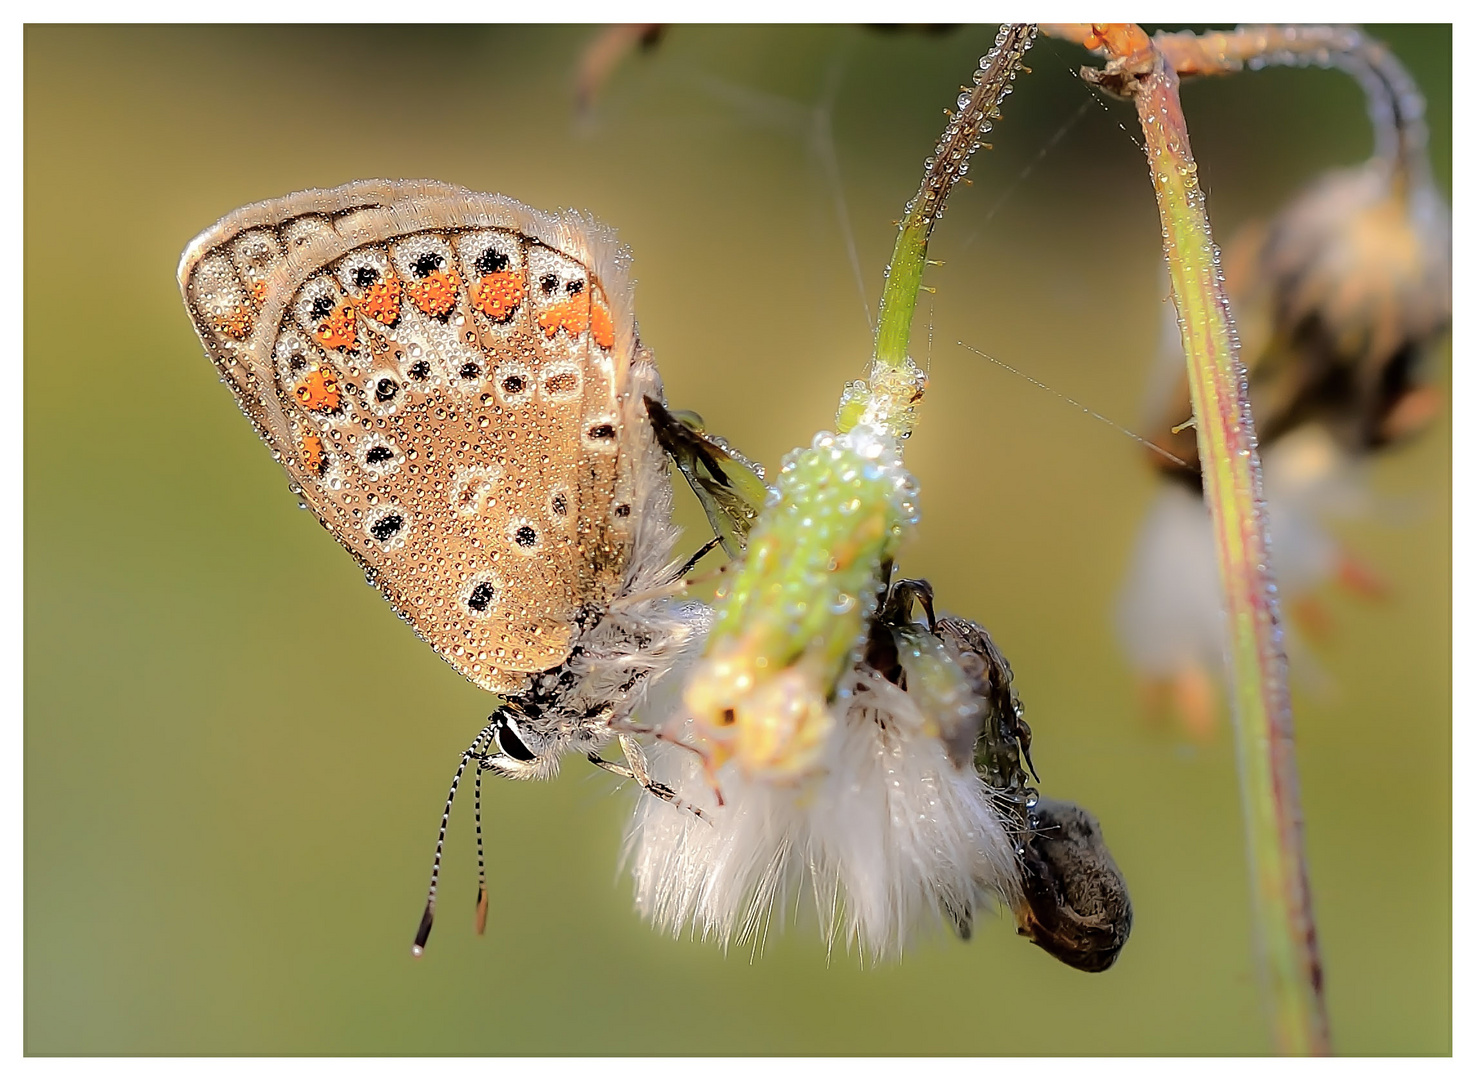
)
(893, 383)
(1286, 930)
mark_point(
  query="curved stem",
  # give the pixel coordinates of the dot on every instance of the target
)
(1395, 105)
(947, 165)
(1265, 737)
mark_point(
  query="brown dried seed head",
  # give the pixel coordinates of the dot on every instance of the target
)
(1075, 904)
(1337, 300)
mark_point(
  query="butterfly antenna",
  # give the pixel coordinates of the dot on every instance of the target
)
(428, 919)
(481, 861)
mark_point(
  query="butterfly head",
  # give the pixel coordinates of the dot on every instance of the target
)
(522, 749)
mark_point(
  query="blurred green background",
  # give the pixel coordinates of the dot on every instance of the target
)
(236, 755)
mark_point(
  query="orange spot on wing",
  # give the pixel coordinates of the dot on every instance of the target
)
(319, 391)
(312, 454)
(435, 294)
(601, 324)
(381, 301)
(234, 323)
(571, 315)
(338, 330)
(258, 291)
(497, 295)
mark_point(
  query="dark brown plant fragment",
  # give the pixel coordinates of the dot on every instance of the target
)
(1075, 904)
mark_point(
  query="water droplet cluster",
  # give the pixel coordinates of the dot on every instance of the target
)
(794, 614)
(887, 401)
(978, 108)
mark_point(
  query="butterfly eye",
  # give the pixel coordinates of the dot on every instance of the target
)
(510, 740)
(364, 276)
(548, 283)
(525, 536)
(470, 371)
(378, 455)
(385, 389)
(420, 369)
(427, 264)
(574, 288)
(322, 306)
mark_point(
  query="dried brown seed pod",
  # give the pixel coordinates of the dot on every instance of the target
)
(1075, 905)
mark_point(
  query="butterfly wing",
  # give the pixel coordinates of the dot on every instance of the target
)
(729, 487)
(444, 375)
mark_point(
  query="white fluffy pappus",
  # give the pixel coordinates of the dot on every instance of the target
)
(887, 838)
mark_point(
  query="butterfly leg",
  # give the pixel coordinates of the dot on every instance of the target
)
(675, 587)
(709, 762)
(698, 557)
(897, 610)
(637, 771)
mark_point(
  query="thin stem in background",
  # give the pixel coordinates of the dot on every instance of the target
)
(1264, 732)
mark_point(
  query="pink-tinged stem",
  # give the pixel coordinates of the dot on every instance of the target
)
(1270, 789)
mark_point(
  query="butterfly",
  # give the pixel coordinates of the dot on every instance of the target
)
(456, 387)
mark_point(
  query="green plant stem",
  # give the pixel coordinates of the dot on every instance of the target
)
(947, 165)
(1232, 490)
(899, 299)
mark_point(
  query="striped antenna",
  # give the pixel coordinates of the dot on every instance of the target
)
(474, 750)
(481, 861)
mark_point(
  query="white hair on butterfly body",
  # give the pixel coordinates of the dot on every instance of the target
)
(888, 837)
